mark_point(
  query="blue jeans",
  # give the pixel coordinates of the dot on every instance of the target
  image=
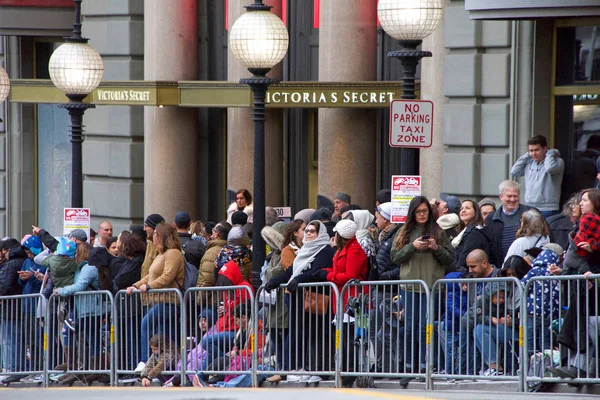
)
(468, 355)
(13, 352)
(450, 340)
(415, 313)
(542, 336)
(489, 339)
(216, 345)
(162, 318)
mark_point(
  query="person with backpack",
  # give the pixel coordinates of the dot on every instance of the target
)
(193, 249)
(166, 272)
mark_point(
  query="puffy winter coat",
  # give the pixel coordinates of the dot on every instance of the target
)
(387, 269)
(232, 298)
(348, 264)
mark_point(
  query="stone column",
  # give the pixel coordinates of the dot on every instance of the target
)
(240, 128)
(432, 79)
(170, 133)
(347, 52)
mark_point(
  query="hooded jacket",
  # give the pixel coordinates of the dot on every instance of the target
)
(206, 277)
(482, 312)
(543, 297)
(457, 303)
(542, 179)
(31, 285)
(62, 270)
(193, 249)
(233, 298)
(275, 241)
(9, 278)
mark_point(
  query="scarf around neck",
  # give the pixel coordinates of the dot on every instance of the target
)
(309, 251)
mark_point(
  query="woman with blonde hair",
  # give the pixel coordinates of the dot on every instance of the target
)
(533, 232)
(166, 272)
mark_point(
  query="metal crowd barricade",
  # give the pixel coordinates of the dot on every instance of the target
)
(476, 330)
(300, 331)
(384, 330)
(219, 340)
(148, 323)
(21, 334)
(80, 337)
(549, 303)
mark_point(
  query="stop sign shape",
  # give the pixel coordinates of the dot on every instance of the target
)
(411, 123)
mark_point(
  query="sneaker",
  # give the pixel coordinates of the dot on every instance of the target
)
(314, 379)
(295, 377)
(11, 379)
(33, 379)
(128, 379)
(197, 382)
(55, 377)
(567, 372)
(140, 367)
(492, 372)
(71, 324)
(168, 384)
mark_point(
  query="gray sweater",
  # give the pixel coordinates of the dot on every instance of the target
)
(542, 180)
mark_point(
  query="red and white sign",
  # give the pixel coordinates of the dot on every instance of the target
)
(77, 218)
(404, 189)
(411, 123)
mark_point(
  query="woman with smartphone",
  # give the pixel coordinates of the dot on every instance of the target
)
(422, 250)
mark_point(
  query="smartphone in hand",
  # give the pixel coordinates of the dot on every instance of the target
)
(425, 238)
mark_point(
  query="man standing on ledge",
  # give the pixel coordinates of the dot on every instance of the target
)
(543, 170)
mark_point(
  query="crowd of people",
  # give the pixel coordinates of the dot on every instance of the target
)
(466, 242)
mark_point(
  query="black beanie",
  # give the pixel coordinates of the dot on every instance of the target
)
(153, 219)
(239, 218)
(98, 257)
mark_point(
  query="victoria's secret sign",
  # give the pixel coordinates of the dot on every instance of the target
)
(328, 97)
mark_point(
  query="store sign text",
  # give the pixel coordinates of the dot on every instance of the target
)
(123, 95)
(342, 97)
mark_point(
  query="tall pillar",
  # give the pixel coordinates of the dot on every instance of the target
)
(240, 129)
(347, 52)
(432, 79)
(170, 133)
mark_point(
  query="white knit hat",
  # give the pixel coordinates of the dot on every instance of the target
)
(345, 228)
(385, 210)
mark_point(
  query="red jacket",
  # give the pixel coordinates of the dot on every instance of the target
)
(233, 298)
(349, 263)
(589, 231)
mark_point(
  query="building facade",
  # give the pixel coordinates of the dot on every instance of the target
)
(500, 73)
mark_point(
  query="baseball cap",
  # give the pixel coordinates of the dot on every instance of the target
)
(78, 234)
(452, 202)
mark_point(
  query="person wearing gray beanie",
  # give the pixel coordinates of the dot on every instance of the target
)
(340, 200)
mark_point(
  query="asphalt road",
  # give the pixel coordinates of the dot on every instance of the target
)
(106, 393)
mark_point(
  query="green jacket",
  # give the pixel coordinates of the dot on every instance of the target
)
(62, 270)
(425, 265)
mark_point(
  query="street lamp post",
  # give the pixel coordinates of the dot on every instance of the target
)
(4, 86)
(409, 22)
(76, 69)
(259, 40)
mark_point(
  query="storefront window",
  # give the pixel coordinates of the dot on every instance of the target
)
(578, 53)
